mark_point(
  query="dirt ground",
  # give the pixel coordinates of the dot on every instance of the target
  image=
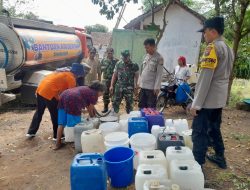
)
(32, 164)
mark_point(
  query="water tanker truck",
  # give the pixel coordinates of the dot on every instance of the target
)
(30, 50)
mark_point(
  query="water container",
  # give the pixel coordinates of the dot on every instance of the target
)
(109, 119)
(158, 185)
(116, 139)
(137, 125)
(149, 172)
(169, 139)
(69, 134)
(86, 170)
(109, 127)
(187, 174)
(92, 141)
(169, 123)
(119, 164)
(95, 122)
(123, 125)
(141, 141)
(156, 130)
(154, 118)
(180, 125)
(187, 135)
(134, 114)
(178, 153)
(124, 116)
(78, 129)
(153, 157)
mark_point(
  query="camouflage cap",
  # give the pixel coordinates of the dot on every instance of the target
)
(125, 53)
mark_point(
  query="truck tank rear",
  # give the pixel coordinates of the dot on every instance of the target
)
(30, 46)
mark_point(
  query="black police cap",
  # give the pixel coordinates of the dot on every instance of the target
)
(216, 23)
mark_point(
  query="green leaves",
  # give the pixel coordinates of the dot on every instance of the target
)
(96, 28)
(111, 7)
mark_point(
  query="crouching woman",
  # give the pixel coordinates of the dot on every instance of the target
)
(71, 103)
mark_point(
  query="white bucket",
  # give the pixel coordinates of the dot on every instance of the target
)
(141, 141)
(109, 127)
(135, 114)
(124, 116)
(116, 139)
(69, 134)
(123, 125)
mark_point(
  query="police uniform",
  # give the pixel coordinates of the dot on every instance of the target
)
(107, 67)
(211, 95)
(124, 87)
(150, 80)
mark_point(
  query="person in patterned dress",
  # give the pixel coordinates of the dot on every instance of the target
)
(71, 103)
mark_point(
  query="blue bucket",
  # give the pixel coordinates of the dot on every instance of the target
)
(119, 164)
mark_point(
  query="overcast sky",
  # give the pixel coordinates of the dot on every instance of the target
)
(80, 13)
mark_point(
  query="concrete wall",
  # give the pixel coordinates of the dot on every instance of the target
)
(180, 36)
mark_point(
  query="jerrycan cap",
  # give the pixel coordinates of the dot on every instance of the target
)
(178, 148)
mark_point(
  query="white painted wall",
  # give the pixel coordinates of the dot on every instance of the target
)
(180, 37)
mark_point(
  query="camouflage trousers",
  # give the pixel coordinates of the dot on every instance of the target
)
(119, 94)
(106, 94)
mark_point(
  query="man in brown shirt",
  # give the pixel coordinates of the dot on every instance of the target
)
(95, 71)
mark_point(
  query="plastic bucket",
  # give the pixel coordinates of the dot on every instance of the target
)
(142, 141)
(119, 164)
(116, 139)
(109, 127)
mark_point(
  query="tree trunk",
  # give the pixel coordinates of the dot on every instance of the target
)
(237, 39)
(153, 14)
(217, 7)
(161, 31)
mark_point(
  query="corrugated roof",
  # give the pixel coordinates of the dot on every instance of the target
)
(158, 8)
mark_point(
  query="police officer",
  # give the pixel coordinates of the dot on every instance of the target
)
(211, 93)
(124, 82)
(150, 76)
(107, 67)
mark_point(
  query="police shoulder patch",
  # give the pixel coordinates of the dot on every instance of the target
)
(209, 59)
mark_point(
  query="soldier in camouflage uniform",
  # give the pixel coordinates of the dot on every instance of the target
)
(107, 67)
(125, 79)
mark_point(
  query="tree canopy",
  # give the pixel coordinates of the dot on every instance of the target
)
(96, 28)
(20, 9)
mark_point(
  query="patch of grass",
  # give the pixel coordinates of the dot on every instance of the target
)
(239, 182)
(240, 90)
(240, 137)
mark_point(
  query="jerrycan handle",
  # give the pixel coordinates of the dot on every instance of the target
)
(150, 156)
(85, 159)
(147, 172)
